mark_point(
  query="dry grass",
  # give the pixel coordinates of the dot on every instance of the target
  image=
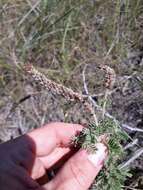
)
(60, 38)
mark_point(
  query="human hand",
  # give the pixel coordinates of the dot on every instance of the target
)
(25, 159)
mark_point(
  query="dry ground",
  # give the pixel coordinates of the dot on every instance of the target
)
(60, 38)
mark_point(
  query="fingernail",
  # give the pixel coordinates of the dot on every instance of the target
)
(100, 155)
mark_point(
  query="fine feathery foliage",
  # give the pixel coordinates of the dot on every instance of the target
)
(112, 177)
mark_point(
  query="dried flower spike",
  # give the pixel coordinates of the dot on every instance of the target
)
(52, 86)
(110, 76)
(59, 89)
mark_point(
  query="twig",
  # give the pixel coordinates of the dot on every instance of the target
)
(137, 154)
(111, 47)
(87, 92)
(114, 42)
(35, 110)
(29, 12)
(30, 4)
(130, 145)
(130, 188)
(88, 95)
(132, 128)
(105, 102)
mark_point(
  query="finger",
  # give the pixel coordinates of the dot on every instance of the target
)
(42, 163)
(53, 157)
(79, 171)
(53, 135)
(38, 170)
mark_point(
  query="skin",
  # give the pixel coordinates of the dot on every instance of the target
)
(27, 158)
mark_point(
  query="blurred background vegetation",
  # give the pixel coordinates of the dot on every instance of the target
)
(60, 37)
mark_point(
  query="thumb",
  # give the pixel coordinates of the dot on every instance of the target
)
(79, 171)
